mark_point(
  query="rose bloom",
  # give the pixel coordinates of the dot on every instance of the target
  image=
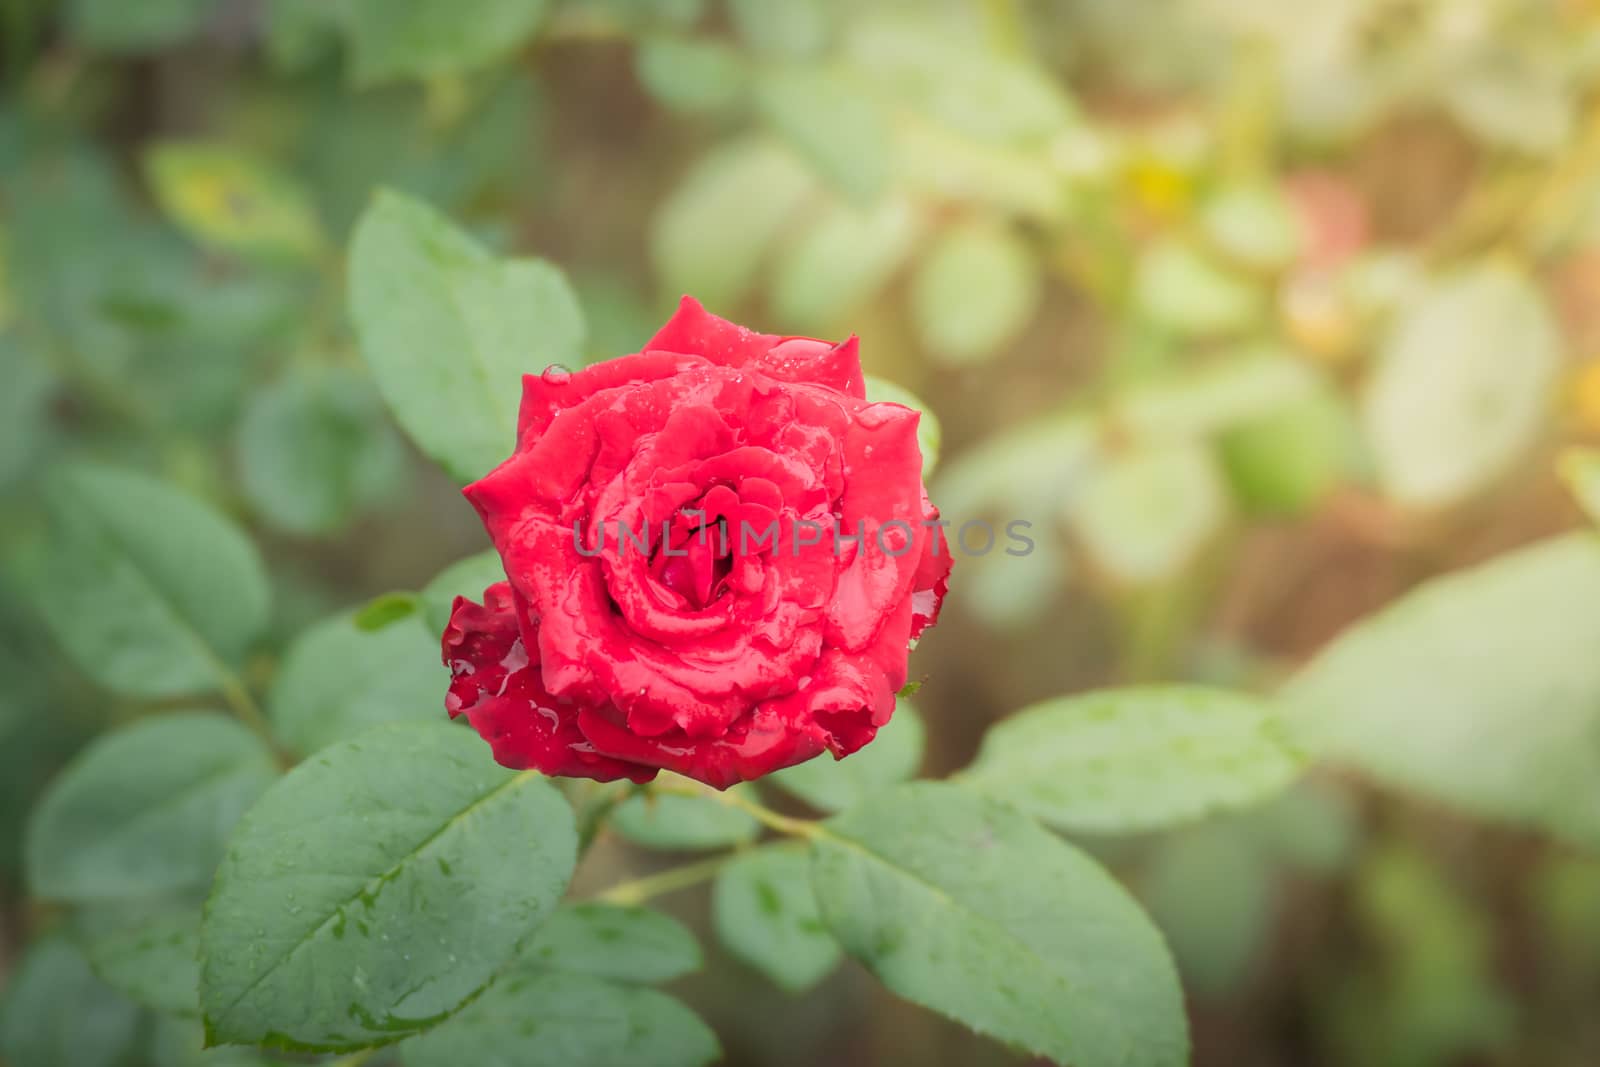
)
(718, 555)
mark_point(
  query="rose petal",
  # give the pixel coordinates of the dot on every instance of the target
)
(496, 684)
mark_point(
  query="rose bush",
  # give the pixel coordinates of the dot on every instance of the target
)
(718, 555)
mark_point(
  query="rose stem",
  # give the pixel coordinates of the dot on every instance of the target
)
(640, 890)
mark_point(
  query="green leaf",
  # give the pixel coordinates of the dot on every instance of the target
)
(145, 809)
(56, 1013)
(1463, 385)
(300, 32)
(793, 28)
(1246, 386)
(466, 577)
(1253, 226)
(1144, 514)
(831, 123)
(1580, 469)
(225, 198)
(1286, 462)
(690, 75)
(960, 904)
(671, 821)
(1177, 287)
(486, 145)
(40, 728)
(315, 451)
(974, 292)
(935, 162)
(155, 960)
(841, 260)
(27, 388)
(531, 1018)
(1436, 997)
(449, 330)
(1212, 893)
(623, 319)
(339, 680)
(712, 234)
(177, 1042)
(116, 26)
(147, 589)
(1311, 828)
(427, 38)
(766, 913)
(938, 67)
(639, 15)
(376, 888)
(890, 758)
(929, 432)
(1135, 759)
(385, 610)
(1479, 689)
(1512, 101)
(1561, 895)
(628, 944)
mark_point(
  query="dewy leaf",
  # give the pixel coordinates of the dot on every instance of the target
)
(533, 1018)
(833, 785)
(671, 821)
(1135, 759)
(712, 234)
(424, 38)
(974, 292)
(376, 888)
(449, 330)
(227, 199)
(766, 914)
(1463, 385)
(466, 577)
(147, 590)
(628, 944)
(56, 1013)
(145, 809)
(154, 959)
(1480, 689)
(961, 904)
(338, 680)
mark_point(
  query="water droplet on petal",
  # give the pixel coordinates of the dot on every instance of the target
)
(876, 416)
(556, 374)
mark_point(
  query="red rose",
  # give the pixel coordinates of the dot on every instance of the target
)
(718, 556)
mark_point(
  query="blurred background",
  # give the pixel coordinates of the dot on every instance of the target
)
(1260, 313)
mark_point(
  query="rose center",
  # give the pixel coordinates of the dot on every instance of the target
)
(696, 561)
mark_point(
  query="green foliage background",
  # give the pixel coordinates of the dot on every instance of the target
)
(1275, 320)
